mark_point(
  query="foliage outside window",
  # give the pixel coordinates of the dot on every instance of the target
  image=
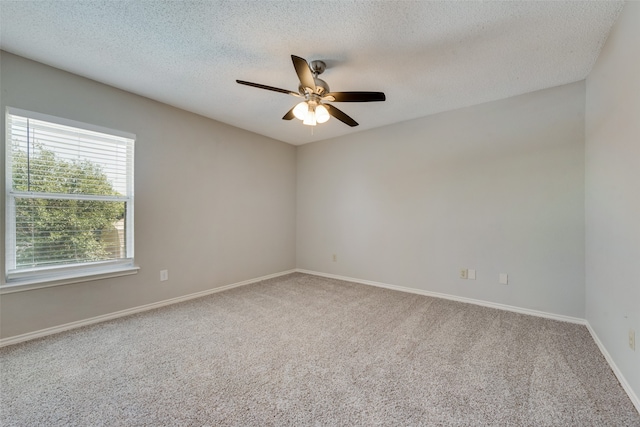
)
(69, 197)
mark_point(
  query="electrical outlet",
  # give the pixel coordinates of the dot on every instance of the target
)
(471, 274)
(164, 275)
(632, 339)
(464, 273)
(335, 258)
(504, 279)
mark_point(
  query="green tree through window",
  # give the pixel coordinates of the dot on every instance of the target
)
(53, 230)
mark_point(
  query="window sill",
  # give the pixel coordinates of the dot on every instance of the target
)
(21, 285)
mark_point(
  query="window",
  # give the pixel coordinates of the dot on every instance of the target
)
(69, 207)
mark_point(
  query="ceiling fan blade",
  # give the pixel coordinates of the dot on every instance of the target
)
(289, 114)
(338, 114)
(304, 72)
(275, 89)
(354, 96)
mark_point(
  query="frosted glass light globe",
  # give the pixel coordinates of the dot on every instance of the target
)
(322, 114)
(310, 120)
(300, 110)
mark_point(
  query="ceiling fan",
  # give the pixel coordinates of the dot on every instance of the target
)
(314, 109)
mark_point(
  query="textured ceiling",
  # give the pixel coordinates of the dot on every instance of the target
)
(427, 57)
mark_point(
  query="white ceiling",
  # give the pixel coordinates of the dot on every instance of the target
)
(427, 57)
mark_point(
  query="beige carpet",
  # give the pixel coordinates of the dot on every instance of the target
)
(302, 350)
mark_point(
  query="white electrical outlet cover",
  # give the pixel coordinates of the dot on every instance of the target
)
(471, 274)
(504, 279)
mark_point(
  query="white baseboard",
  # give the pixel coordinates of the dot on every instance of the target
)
(80, 323)
(623, 381)
(489, 304)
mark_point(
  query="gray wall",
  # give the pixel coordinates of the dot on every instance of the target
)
(613, 194)
(497, 187)
(214, 204)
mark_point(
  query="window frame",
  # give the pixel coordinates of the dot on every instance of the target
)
(54, 275)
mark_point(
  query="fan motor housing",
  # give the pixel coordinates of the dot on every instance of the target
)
(321, 87)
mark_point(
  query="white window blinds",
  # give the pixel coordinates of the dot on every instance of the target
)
(69, 195)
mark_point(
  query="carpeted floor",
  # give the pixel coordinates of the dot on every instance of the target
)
(303, 350)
